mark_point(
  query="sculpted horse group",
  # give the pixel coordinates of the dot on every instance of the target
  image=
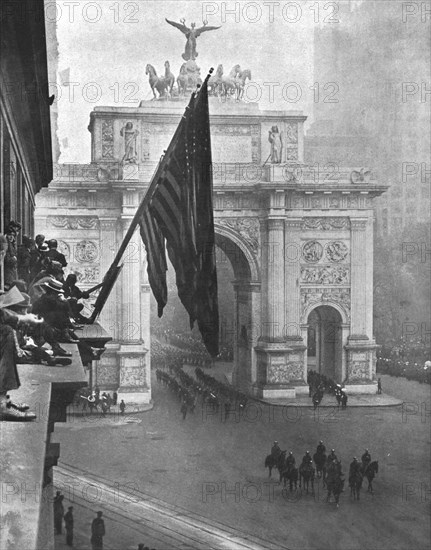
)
(219, 85)
(162, 84)
(231, 85)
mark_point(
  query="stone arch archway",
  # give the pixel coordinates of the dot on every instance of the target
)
(247, 302)
(325, 346)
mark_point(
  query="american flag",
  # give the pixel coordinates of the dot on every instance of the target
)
(178, 211)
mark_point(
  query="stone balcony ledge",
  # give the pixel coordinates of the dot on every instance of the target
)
(28, 455)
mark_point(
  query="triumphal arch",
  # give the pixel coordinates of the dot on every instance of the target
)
(300, 240)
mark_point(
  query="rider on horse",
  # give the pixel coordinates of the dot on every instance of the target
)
(290, 460)
(332, 457)
(354, 468)
(321, 449)
(306, 459)
(366, 459)
(275, 450)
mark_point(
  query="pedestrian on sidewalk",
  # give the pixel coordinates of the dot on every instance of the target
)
(122, 406)
(184, 409)
(68, 524)
(379, 386)
(58, 512)
(97, 532)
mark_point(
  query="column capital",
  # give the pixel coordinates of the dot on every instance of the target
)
(108, 223)
(358, 224)
(276, 223)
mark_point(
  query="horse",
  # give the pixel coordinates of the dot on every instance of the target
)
(320, 461)
(306, 476)
(229, 82)
(240, 80)
(334, 483)
(290, 474)
(156, 82)
(370, 472)
(215, 81)
(169, 78)
(276, 462)
(355, 483)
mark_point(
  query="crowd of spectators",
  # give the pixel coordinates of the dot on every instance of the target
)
(38, 312)
(407, 359)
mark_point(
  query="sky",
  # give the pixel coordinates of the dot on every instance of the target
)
(107, 44)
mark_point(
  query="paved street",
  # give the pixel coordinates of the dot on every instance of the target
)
(167, 477)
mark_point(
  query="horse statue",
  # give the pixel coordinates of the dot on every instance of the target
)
(291, 475)
(169, 77)
(229, 82)
(156, 82)
(215, 81)
(276, 462)
(320, 462)
(182, 80)
(355, 484)
(334, 482)
(240, 81)
(370, 472)
(306, 476)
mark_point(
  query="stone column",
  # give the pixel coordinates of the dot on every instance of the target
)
(358, 255)
(361, 348)
(134, 387)
(108, 249)
(275, 310)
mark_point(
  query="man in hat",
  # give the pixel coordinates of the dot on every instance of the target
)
(58, 512)
(11, 259)
(97, 532)
(68, 524)
(9, 379)
(54, 254)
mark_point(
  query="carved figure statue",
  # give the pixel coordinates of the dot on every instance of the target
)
(275, 138)
(130, 151)
(191, 34)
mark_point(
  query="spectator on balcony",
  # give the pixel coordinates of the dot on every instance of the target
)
(36, 256)
(11, 256)
(9, 379)
(54, 255)
(24, 258)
